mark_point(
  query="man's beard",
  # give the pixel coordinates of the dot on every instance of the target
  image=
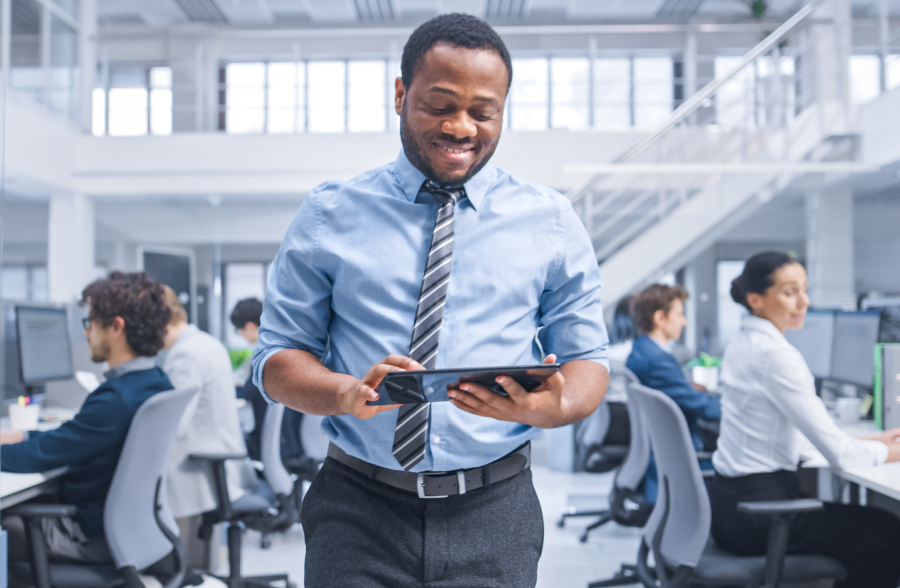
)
(414, 153)
(99, 352)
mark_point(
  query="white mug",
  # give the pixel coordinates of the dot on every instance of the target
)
(848, 409)
(24, 418)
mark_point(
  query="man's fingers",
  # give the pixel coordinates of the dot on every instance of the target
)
(402, 362)
(515, 391)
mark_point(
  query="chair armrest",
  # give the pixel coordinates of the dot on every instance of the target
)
(779, 508)
(779, 513)
(42, 511)
(217, 456)
(704, 455)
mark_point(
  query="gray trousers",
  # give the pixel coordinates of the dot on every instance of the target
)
(361, 533)
(65, 542)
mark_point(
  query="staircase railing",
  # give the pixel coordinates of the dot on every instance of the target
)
(751, 114)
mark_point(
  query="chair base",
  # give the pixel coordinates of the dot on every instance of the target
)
(256, 581)
(626, 576)
(587, 513)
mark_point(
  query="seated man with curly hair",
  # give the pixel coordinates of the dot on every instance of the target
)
(128, 318)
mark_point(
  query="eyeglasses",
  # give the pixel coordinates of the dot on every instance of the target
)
(86, 323)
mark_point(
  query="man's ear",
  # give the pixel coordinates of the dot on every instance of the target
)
(399, 94)
(118, 325)
(658, 318)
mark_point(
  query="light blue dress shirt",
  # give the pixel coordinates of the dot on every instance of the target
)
(347, 278)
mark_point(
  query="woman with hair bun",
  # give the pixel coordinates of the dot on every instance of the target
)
(769, 405)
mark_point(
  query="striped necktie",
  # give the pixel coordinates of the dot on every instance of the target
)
(412, 419)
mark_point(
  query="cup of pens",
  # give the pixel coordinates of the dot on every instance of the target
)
(23, 416)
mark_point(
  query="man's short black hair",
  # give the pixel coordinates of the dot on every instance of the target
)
(246, 311)
(462, 30)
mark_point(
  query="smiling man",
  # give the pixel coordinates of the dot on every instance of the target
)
(437, 260)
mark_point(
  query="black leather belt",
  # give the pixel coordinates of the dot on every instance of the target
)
(440, 484)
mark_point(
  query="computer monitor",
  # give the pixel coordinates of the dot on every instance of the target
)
(45, 350)
(890, 325)
(814, 341)
(853, 350)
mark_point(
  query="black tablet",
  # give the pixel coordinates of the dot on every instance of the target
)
(414, 387)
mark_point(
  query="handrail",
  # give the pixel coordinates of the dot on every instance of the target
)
(692, 103)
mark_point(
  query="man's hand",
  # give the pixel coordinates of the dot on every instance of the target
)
(546, 406)
(355, 396)
(7, 437)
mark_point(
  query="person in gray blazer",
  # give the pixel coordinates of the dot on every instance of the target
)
(210, 423)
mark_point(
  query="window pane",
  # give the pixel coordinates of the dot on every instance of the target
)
(326, 96)
(367, 96)
(15, 283)
(282, 96)
(160, 77)
(70, 6)
(39, 283)
(161, 112)
(653, 90)
(127, 112)
(98, 112)
(528, 95)
(570, 93)
(63, 75)
(734, 100)
(864, 78)
(893, 71)
(245, 97)
(612, 93)
(25, 48)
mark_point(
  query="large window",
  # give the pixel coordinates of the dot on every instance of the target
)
(357, 96)
(43, 53)
(865, 78)
(136, 101)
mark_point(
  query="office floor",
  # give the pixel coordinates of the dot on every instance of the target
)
(565, 562)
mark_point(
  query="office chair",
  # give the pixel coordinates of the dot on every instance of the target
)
(267, 509)
(139, 527)
(627, 504)
(683, 551)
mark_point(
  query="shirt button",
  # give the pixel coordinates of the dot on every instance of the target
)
(436, 439)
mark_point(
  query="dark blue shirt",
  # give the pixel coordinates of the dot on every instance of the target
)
(659, 370)
(89, 444)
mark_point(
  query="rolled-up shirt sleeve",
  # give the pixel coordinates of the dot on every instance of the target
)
(297, 306)
(571, 313)
(791, 388)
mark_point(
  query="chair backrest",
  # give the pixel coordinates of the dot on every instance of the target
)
(270, 440)
(630, 377)
(635, 465)
(682, 507)
(596, 426)
(315, 442)
(129, 515)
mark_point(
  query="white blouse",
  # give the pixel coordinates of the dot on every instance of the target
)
(770, 409)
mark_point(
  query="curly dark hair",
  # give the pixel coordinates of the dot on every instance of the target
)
(140, 302)
(461, 30)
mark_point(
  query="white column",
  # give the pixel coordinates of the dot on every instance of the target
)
(70, 247)
(831, 30)
(87, 60)
(829, 246)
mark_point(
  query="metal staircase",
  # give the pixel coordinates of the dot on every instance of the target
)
(724, 152)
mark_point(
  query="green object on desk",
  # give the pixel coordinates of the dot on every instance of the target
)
(705, 361)
(239, 356)
(878, 388)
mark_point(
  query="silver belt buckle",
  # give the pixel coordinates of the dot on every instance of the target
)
(420, 484)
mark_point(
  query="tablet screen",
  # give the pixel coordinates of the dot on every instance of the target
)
(414, 387)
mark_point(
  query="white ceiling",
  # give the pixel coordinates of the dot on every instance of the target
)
(161, 13)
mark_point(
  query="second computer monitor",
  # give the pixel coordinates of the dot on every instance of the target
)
(853, 352)
(814, 341)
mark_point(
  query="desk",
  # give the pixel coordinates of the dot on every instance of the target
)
(884, 479)
(16, 488)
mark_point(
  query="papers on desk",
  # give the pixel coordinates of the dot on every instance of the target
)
(88, 380)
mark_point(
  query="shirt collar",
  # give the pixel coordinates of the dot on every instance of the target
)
(187, 333)
(754, 323)
(411, 179)
(132, 365)
(667, 346)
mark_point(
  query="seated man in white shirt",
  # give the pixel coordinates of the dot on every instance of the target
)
(769, 405)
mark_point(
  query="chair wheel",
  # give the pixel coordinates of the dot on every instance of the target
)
(265, 543)
(561, 522)
(583, 538)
